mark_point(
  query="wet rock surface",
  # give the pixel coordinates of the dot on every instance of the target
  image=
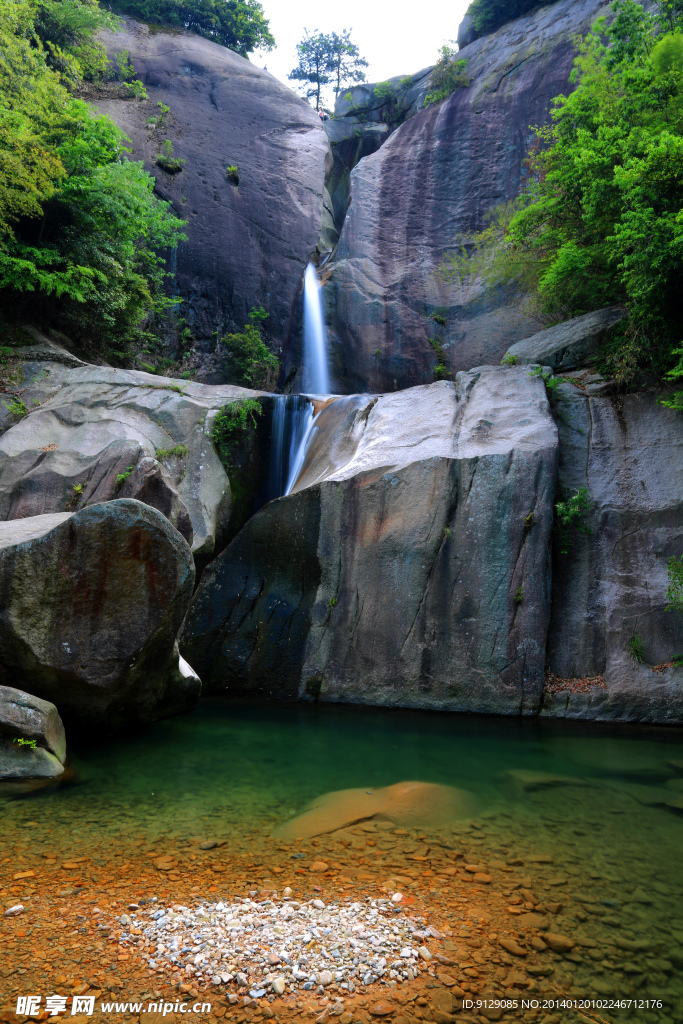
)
(410, 565)
(611, 584)
(36, 722)
(92, 603)
(248, 242)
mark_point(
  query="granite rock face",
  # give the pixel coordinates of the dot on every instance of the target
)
(628, 452)
(25, 717)
(248, 243)
(91, 606)
(120, 433)
(568, 345)
(410, 566)
(433, 181)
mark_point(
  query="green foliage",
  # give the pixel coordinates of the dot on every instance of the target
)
(447, 76)
(167, 161)
(552, 383)
(570, 517)
(674, 593)
(180, 451)
(232, 174)
(250, 362)
(327, 58)
(21, 742)
(16, 407)
(439, 319)
(441, 371)
(158, 120)
(519, 594)
(509, 359)
(122, 477)
(82, 235)
(383, 92)
(232, 426)
(678, 660)
(488, 15)
(636, 649)
(332, 603)
(238, 24)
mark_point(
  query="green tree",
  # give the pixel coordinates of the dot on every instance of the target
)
(488, 15)
(250, 362)
(447, 76)
(345, 63)
(241, 25)
(313, 70)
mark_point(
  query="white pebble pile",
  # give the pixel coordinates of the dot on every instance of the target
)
(271, 947)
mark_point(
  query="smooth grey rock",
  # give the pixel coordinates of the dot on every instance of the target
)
(430, 184)
(390, 575)
(628, 452)
(27, 717)
(96, 424)
(568, 345)
(91, 605)
(248, 244)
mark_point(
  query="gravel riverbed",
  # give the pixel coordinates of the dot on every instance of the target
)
(272, 946)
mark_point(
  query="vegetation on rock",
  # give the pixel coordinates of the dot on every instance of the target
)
(599, 222)
(447, 76)
(232, 426)
(250, 362)
(238, 24)
(488, 15)
(81, 231)
(570, 517)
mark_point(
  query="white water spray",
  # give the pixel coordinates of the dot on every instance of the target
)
(316, 376)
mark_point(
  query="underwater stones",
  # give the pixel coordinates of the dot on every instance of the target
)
(416, 804)
(512, 946)
(36, 722)
(558, 943)
(91, 606)
(529, 781)
(408, 567)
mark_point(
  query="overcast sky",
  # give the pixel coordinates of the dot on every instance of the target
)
(396, 39)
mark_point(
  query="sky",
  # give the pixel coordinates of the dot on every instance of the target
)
(394, 39)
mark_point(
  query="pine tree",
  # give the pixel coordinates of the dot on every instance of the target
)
(314, 63)
(345, 64)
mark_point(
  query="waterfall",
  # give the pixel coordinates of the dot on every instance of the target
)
(291, 429)
(316, 377)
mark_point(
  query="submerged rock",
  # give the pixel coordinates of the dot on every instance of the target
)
(91, 605)
(409, 566)
(37, 723)
(412, 804)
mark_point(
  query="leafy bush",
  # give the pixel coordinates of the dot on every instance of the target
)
(122, 477)
(636, 649)
(167, 161)
(250, 362)
(180, 451)
(488, 15)
(447, 76)
(552, 383)
(570, 516)
(232, 174)
(238, 24)
(233, 424)
(82, 235)
(508, 360)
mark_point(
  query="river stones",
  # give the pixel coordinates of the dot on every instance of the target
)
(91, 604)
(37, 723)
(415, 804)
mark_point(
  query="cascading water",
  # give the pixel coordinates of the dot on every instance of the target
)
(316, 375)
(292, 424)
(294, 415)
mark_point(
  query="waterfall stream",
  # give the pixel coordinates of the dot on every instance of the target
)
(316, 375)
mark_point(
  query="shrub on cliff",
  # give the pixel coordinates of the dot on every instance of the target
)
(488, 15)
(600, 220)
(238, 24)
(250, 362)
(447, 76)
(81, 232)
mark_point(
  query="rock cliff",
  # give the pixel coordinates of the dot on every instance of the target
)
(434, 178)
(410, 565)
(248, 241)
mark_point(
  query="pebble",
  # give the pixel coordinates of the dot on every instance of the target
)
(511, 946)
(275, 945)
(558, 943)
(14, 911)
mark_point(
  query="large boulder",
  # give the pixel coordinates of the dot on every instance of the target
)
(611, 585)
(91, 606)
(95, 434)
(568, 345)
(410, 565)
(248, 242)
(432, 183)
(32, 740)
